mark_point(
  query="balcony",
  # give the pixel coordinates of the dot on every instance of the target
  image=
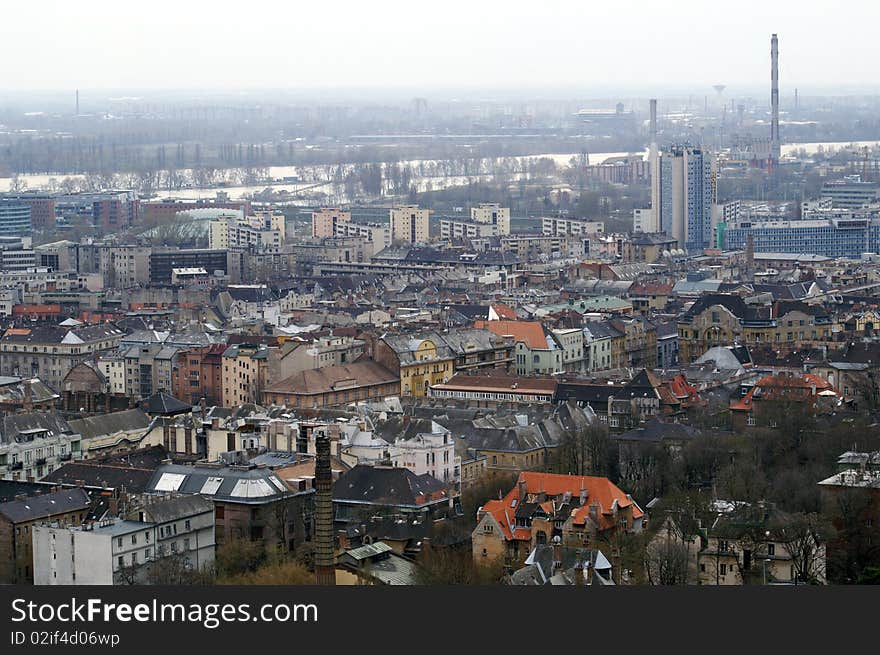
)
(16, 466)
(65, 456)
(40, 461)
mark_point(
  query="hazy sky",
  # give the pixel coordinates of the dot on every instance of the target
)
(453, 43)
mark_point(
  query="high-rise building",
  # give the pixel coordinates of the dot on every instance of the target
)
(685, 192)
(492, 213)
(15, 217)
(409, 224)
(326, 220)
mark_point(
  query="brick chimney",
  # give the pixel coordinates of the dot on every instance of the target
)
(522, 490)
(28, 395)
(325, 560)
(557, 554)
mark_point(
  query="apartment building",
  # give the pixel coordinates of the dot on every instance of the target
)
(409, 224)
(327, 220)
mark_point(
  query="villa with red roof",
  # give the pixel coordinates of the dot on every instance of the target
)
(541, 506)
(771, 391)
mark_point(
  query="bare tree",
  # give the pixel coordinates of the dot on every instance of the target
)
(666, 558)
(803, 538)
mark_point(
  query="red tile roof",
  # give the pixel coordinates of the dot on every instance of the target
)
(600, 491)
(783, 387)
(505, 312)
(529, 332)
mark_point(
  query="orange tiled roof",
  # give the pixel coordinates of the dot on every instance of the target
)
(600, 491)
(775, 387)
(529, 332)
(505, 312)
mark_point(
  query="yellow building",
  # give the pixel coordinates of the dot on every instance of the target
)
(423, 360)
(244, 374)
(409, 224)
(326, 220)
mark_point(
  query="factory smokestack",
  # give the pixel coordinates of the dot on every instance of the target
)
(653, 120)
(77, 102)
(325, 561)
(774, 99)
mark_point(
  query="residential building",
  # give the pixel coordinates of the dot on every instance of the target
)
(772, 394)
(50, 351)
(422, 359)
(747, 545)
(245, 373)
(19, 520)
(409, 224)
(365, 491)
(537, 350)
(490, 213)
(250, 502)
(198, 374)
(458, 229)
(558, 227)
(686, 194)
(132, 551)
(722, 319)
(543, 506)
(33, 445)
(326, 220)
(364, 380)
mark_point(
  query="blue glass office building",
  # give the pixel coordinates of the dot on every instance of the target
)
(837, 237)
(15, 218)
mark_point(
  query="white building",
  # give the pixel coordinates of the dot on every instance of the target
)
(124, 551)
(106, 553)
(560, 227)
(113, 368)
(250, 234)
(430, 452)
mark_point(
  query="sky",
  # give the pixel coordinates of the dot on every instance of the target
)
(633, 44)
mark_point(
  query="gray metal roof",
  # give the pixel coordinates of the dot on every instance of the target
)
(45, 505)
(235, 484)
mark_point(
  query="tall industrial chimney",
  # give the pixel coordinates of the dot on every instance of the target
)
(653, 120)
(325, 561)
(775, 149)
(77, 102)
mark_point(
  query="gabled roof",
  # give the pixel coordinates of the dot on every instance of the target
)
(394, 486)
(129, 420)
(529, 332)
(600, 493)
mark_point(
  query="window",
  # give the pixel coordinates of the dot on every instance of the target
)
(724, 569)
(121, 561)
(186, 524)
(134, 539)
(771, 549)
(119, 542)
(488, 528)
